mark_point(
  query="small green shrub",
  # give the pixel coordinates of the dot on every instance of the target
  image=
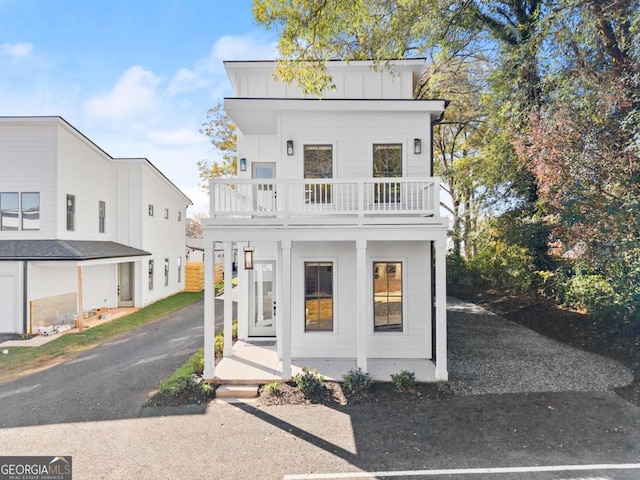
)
(273, 389)
(404, 380)
(356, 381)
(218, 341)
(309, 381)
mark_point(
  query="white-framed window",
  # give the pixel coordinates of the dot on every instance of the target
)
(318, 163)
(102, 209)
(71, 212)
(388, 296)
(166, 214)
(179, 263)
(166, 272)
(150, 210)
(319, 296)
(179, 216)
(19, 211)
(150, 275)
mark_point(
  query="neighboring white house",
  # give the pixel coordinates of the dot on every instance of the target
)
(337, 200)
(77, 223)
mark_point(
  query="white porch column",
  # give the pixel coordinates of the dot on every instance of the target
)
(284, 310)
(228, 299)
(361, 305)
(243, 294)
(441, 309)
(209, 311)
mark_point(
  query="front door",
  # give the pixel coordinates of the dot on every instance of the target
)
(264, 194)
(125, 284)
(263, 306)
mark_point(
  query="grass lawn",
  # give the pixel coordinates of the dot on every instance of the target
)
(22, 359)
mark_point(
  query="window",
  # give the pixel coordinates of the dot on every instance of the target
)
(387, 163)
(179, 216)
(387, 296)
(318, 296)
(318, 163)
(71, 212)
(150, 210)
(9, 211)
(166, 214)
(166, 272)
(19, 211)
(179, 269)
(150, 275)
(102, 207)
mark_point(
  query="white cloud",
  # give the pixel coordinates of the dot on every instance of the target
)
(16, 49)
(177, 138)
(133, 96)
(209, 71)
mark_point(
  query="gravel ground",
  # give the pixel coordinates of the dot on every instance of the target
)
(489, 354)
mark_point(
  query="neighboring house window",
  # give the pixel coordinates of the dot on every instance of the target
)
(9, 211)
(318, 296)
(318, 163)
(387, 163)
(179, 269)
(151, 210)
(71, 212)
(102, 207)
(166, 214)
(30, 208)
(179, 216)
(19, 211)
(150, 275)
(387, 296)
(166, 272)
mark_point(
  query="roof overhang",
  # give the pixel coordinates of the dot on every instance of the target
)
(65, 250)
(258, 116)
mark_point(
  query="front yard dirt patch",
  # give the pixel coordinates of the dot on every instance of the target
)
(603, 336)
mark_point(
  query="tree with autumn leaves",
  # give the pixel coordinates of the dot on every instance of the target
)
(540, 146)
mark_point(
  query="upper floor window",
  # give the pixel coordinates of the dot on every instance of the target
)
(71, 212)
(387, 296)
(166, 214)
(318, 163)
(9, 211)
(179, 216)
(102, 207)
(19, 211)
(387, 163)
(150, 210)
(30, 208)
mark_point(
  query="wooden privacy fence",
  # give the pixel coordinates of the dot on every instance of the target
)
(194, 276)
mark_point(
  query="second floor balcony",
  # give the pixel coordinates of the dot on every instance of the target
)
(325, 197)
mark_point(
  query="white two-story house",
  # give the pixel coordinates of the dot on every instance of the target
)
(79, 226)
(336, 206)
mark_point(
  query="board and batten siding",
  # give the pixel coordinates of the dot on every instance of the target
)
(29, 165)
(415, 339)
(85, 172)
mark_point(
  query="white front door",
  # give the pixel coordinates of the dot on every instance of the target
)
(125, 284)
(262, 317)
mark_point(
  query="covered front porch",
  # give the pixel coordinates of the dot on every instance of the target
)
(256, 363)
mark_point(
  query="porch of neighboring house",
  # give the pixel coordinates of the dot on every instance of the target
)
(257, 363)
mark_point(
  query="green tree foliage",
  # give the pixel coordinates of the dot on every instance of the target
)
(222, 133)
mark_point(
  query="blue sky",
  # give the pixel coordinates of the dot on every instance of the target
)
(135, 76)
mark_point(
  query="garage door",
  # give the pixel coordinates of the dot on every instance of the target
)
(8, 311)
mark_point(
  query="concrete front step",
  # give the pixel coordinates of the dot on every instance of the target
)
(237, 391)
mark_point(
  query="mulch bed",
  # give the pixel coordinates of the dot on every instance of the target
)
(333, 394)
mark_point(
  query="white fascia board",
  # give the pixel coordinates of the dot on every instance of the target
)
(258, 115)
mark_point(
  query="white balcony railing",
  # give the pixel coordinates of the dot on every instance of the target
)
(236, 198)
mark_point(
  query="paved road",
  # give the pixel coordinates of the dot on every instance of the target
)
(112, 381)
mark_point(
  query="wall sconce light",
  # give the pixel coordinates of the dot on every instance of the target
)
(248, 257)
(243, 164)
(290, 147)
(417, 146)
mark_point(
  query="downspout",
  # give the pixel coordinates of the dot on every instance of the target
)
(25, 296)
(433, 247)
